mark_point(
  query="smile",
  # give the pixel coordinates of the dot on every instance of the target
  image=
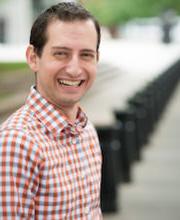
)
(70, 83)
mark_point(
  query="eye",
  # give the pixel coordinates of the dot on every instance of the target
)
(61, 54)
(87, 56)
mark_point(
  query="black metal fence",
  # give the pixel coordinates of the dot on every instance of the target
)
(122, 142)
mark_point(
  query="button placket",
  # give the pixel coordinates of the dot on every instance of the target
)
(87, 192)
(83, 175)
(73, 130)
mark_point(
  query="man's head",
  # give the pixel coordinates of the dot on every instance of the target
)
(64, 11)
(63, 52)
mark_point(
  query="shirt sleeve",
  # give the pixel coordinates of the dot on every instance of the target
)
(19, 159)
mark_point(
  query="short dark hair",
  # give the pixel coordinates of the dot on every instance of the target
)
(64, 11)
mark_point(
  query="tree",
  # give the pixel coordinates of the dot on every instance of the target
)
(112, 13)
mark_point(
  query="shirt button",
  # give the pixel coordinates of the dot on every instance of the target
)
(83, 175)
(73, 130)
(73, 140)
(87, 210)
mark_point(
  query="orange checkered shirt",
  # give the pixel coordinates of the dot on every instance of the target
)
(49, 168)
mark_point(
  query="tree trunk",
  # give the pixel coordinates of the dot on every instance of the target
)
(114, 31)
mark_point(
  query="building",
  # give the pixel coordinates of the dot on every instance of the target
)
(16, 17)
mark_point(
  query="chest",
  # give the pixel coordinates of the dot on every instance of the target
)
(70, 173)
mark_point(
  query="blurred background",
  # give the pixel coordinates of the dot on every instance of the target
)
(125, 18)
(139, 56)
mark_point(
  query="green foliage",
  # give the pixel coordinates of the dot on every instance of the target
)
(115, 12)
(12, 66)
(109, 12)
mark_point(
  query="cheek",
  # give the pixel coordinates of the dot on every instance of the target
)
(49, 70)
(92, 69)
(93, 73)
(50, 67)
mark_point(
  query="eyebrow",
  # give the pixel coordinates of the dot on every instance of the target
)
(69, 49)
(60, 48)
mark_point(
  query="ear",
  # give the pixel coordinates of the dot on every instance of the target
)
(32, 58)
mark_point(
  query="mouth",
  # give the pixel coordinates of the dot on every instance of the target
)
(70, 83)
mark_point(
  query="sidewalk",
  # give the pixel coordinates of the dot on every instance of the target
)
(154, 192)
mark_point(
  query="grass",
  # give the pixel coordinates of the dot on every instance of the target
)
(6, 70)
(4, 95)
(7, 67)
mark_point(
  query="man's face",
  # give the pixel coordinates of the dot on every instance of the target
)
(67, 67)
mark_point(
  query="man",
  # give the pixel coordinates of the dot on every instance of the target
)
(50, 159)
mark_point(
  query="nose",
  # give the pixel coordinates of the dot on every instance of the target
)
(73, 68)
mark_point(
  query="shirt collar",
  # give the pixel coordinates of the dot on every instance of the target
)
(52, 117)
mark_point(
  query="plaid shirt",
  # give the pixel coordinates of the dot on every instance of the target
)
(49, 168)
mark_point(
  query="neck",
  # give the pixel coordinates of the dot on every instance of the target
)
(70, 112)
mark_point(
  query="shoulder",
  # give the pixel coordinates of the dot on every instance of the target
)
(16, 132)
(19, 119)
(16, 146)
(23, 120)
(91, 132)
(90, 127)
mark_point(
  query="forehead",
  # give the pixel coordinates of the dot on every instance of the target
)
(78, 30)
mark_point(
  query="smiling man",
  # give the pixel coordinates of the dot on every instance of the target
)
(67, 66)
(49, 151)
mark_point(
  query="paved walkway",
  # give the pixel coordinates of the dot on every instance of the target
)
(154, 193)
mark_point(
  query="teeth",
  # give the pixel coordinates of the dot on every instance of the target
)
(70, 83)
